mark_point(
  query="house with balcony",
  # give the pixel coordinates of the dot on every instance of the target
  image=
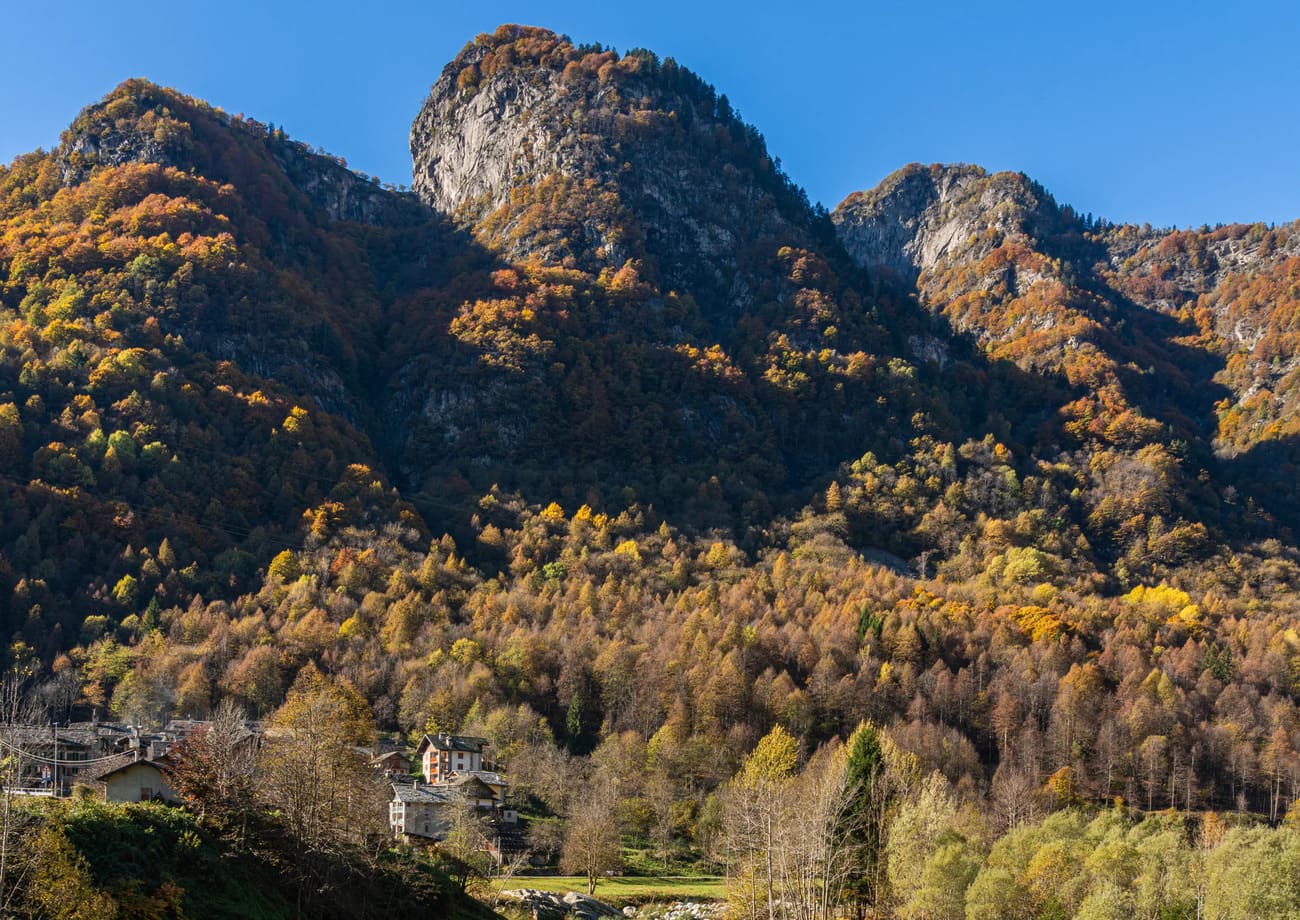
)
(442, 755)
(456, 775)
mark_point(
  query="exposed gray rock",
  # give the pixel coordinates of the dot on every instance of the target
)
(100, 140)
(548, 905)
(586, 906)
(682, 910)
(661, 159)
(920, 217)
(471, 148)
(140, 123)
(337, 190)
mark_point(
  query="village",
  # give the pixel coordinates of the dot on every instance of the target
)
(446, 779)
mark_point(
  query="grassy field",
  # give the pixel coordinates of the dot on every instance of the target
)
(623, 889)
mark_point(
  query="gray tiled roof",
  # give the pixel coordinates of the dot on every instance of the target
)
(464, 743)
(78, 735)
(421, 794)
(486, 776)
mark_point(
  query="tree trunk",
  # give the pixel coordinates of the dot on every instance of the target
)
(771, 901)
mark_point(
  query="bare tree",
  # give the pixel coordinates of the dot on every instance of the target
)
(214, 772)
(662, 796)
(1014, 797)
(465, 841)
(817, 854)
(755, 803)
(807, 843)
(592, 846)
(18, 714)
(310, 772)
(509, 869)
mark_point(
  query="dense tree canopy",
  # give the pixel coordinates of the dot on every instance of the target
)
(270, 433)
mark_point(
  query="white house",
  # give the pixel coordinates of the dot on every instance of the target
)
(442, 755)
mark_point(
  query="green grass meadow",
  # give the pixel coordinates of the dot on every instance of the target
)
(625, 889)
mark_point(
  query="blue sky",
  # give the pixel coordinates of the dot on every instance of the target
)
(1173, 113)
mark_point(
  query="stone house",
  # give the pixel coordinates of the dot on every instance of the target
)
(420, 812)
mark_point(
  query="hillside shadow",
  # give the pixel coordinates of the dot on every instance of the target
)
(1267, 477)
(621, 420)
(1174, 383)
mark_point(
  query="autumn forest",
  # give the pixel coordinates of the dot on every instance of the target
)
(620, 453)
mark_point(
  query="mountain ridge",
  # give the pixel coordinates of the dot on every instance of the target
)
(983, 212)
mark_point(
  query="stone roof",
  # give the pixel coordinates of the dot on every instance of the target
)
(464, 743)
(98, 771)
(388, 755)
(97, 775)
(421, 794)
(84, 735)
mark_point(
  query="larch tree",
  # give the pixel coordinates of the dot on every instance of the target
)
(310, 768)
(918, 829)
(756, 802)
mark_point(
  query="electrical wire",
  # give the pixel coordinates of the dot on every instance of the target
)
(40, 758)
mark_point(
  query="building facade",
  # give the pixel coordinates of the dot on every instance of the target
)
(442, 755)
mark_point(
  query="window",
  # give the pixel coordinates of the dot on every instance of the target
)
(146, 793)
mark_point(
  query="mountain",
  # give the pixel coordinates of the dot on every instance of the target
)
(674, 179)
(603, 431)
(186, 352)
(667, 298)
(1192, 329)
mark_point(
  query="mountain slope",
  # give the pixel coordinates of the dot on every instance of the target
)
(1170, 335)
(675, 179)
(185, 355)
(601, 314)
(667, 297)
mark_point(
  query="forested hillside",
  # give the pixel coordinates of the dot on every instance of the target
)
(604, 441)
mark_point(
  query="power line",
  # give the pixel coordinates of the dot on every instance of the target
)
(40, 758)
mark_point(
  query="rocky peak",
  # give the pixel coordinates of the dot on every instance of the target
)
(483, 126)
(141, 122)
(581, 156)
(922, 216)
(136, 123)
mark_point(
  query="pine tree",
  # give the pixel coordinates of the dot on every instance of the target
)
(864, 817)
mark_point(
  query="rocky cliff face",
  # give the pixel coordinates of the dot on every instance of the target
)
(339, 192)
(654, 260)
(922, 217)
(471, 143)
(992, 253)
(651, 164)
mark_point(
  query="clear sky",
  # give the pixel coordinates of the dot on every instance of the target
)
(1144, 110)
